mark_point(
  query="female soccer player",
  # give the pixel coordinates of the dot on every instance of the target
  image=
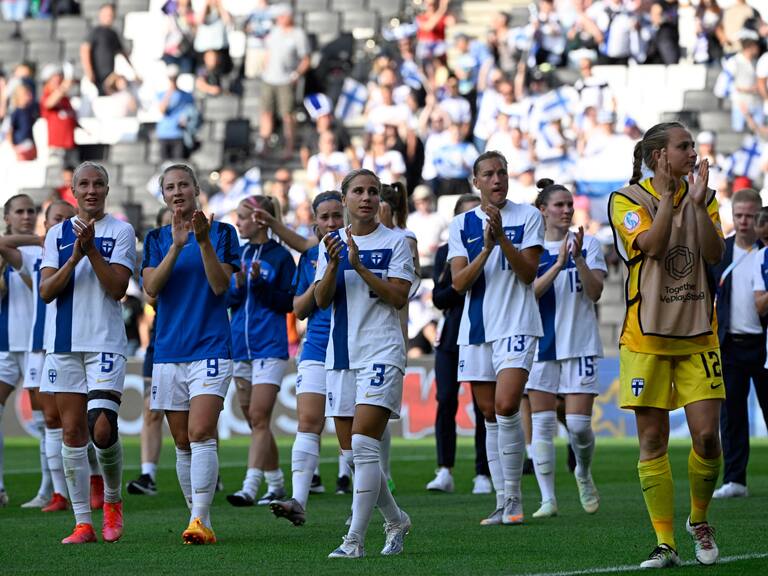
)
(87, 263)
(310, 381)
(260, 296)
(23, 252)
(17, 308)
(669, 228)
(364, 272)
(569, 282)
(494, 252)
(187, 267)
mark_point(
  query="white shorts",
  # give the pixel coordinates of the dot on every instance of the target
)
(34, 369)
(569, 376)
(12, 367)
(483, 362)
(261, 371)
(310, 377)
(175, 384)
(81, 372)
(379, 385)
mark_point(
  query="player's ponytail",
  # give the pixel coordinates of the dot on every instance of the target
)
(637, 163)
(547, 187)
(396, 196)
(4, 264)
(656, 138)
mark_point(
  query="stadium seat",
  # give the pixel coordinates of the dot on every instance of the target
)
(715, 121)
(311, 5)
(71, 52)
(361, 23)
(7, 29)
(700, 100)
(126, 6)
(44, 52)
(689, 118)
(251, 108)
(350, 5)
(215, 130)
(11, 53)
(90, 8)
(728, 142)
(324, 24)
(209, 156)
(37, 30)
(38, 195)
(137, 175)
(237, 135)
(71, 29)
(221, 107)
(128, 153)
(388, 8)
(519, 16)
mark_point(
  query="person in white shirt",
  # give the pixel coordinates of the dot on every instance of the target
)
(326, 168)
(365, 272)
(494, 253)
(427, 225)
(569, 282)
(87, 263)
(387, 164)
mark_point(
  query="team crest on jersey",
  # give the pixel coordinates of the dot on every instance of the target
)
(631, 221)
(51, 375)
(330, 399)
(461, 365)
(637, 386)
(107, 247)
(376, 258)
(299, 378)
(154, 392)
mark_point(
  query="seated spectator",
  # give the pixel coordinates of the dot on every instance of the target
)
(456, 106)
(98, 52)
(665, 47)
(593, 91)
(453, 162)
(23, 116)
(746, 105)
(512, 143)
(386, 163)
(180, 27)
(523, 190)
(287, 61)
(223, 201)
(57, 111)
(327, 168)
(209, 80)
(428, 226)
(710, 36)
(178, 108)
(303, 221)
(290, 193)
(119, 100)
(322, 119)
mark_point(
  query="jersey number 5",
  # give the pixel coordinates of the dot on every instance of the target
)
(213, 367)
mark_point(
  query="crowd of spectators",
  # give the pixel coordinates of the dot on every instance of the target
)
(417, 102)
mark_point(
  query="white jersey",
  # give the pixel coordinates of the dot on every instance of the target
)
(16, 311)
(365, 330)
(32, 258)
(84, 317)
(565, 305)
(498, 304)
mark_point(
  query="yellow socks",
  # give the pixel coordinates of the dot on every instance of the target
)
(658, 492)
(702, 477)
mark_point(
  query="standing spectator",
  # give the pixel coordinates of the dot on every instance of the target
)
(453, 163)
(430, 36)
(57, 110)
(23, 118)
(746, 106)
(98, 52)
(15, 10)
(180, 26)
(761, 71)
(287, 61)
(327, 168)
(119, 100)
(664, 17)
(177, 108)
(735, 18)
(456, 106)
(710, 36)
(211, 33)
(742, 340)
(548, 36)
(614, 19)
(257, 28)
(428, 225)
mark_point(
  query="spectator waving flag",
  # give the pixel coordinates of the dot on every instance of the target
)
(556, 104)
(351, 101)
(746, 160)
(724, 83)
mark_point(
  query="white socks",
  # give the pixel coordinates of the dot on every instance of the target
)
(386, 445)
(253, 478)
(582, 441)
(111, 461)
(184, 474)
(204, 472)
(77, 474)
(93, 460)
(149, 468)
(276, 480)
(544, 429)
(53, 440)
(369, 478)
(304, 458)
(46, 486)
(494, 463)
(511, 452)
(345, 464)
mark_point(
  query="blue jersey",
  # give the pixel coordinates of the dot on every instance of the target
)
(32, 258)
(319, 323)
(192, 322)
(259, 306)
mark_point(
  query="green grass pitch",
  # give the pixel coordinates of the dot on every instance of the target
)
(446, 537)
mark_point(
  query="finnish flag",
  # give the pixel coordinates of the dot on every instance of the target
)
(352, 100)
(746, 160)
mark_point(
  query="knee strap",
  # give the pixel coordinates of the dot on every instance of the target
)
(103, 402)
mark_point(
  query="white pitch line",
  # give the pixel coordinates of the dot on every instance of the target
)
(634, 567)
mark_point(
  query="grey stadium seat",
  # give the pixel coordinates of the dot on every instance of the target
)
(324, 24)
(715, 121)
(11, 53)
(702, 100)
(387, 8)
(36, 30)
(128, 153)
(72, 28)
(137, 175)
(221, 107)
(358, 20)
(311, 5)
(44, 52)
(351, 5)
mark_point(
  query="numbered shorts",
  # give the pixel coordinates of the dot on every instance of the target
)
(33, 370)
(311, 377)
(379, 385)
(261, 371)
(12, 365)
(483, 362)
(669, 382)
(568, 376)
(81, 372)
(175, 384)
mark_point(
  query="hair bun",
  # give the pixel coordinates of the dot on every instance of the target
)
(544, 182)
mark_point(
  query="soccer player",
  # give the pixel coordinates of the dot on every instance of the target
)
(17, 308)
(569, 282)
(310, 381)
(23, 252)
(494, 253)
(669, 355)
(152, 421)
(364, 272)
(187, 267)
(87, 263)
(260, 296)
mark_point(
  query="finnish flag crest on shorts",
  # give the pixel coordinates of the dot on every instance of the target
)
(637, 386)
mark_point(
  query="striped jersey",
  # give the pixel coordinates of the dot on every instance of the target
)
(16, 309)
(32, 258)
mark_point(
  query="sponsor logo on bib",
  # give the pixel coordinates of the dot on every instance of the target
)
(631, 221)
